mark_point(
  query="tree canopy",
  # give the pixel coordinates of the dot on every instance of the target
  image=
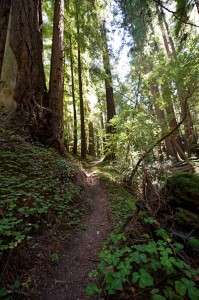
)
(119, 119)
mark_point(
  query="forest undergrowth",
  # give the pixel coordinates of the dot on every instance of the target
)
(40, 201)
(153, 251)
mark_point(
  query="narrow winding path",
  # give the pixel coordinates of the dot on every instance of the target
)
(81, 249)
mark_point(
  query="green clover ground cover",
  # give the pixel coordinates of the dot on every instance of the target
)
(147, 264)
(36, 190)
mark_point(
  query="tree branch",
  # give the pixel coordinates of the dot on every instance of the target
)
(159, 141)
(152, 147)
(174, 13)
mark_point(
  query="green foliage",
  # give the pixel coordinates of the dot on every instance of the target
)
(184, 286)
(153, 266)
(36, 190)
(184, 183)
(5, 293)
(92, 289)
(123, 203)
(54, 256)
(193, 242)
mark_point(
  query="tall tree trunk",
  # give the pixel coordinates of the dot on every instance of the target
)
(56, 85)
(74, 100)
(160, 113)
(170, 109)
(184, 105)
(161, 116)
(83, 132)
(91, 146)
(4, 18)
(22, 69)
(173, 50)
(176, 135)
(109, 93)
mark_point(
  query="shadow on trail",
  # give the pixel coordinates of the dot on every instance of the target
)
(80, 251)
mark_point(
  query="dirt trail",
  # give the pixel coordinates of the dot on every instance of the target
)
(81, 249)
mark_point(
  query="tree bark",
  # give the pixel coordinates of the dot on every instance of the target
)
(56, 85)
(4, 18)
(23, 72)
(110, 102)
(173, 50)
(74, 100)
(83, 132)
(170, 108)
(91, 146)
(161, 116)
(184, 105)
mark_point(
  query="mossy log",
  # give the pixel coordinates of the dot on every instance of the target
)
(182, 190)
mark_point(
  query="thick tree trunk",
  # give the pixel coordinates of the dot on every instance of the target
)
(4, 18)
(74, 100)
(176, 135)
(188, 125)
(83, 132)
(22, 69)
(26, 43)
(110, 102)
(56, 85)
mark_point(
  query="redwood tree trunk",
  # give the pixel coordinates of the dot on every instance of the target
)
(83, 132)
(4, 18)
(161, 116)
(56, 85)
(184, 105)
(29, 91)
(170, 109)
(74, 101)
(110, 102)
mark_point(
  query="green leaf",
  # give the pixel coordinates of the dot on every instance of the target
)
(163, 233)
(143, 257)
(178, 246)
(3, 292)
(92, 289)
(16, 284)
(145, 279)
(187, 282)
(108, 277)
(136, 276)
(158, 297)
(181, 287)
(93, 273)
(135, 257)
(116, 284)
(165, 261)
(149, 220)
(154, 291)
(193, 293)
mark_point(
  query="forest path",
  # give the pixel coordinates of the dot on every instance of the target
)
(81, 249)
